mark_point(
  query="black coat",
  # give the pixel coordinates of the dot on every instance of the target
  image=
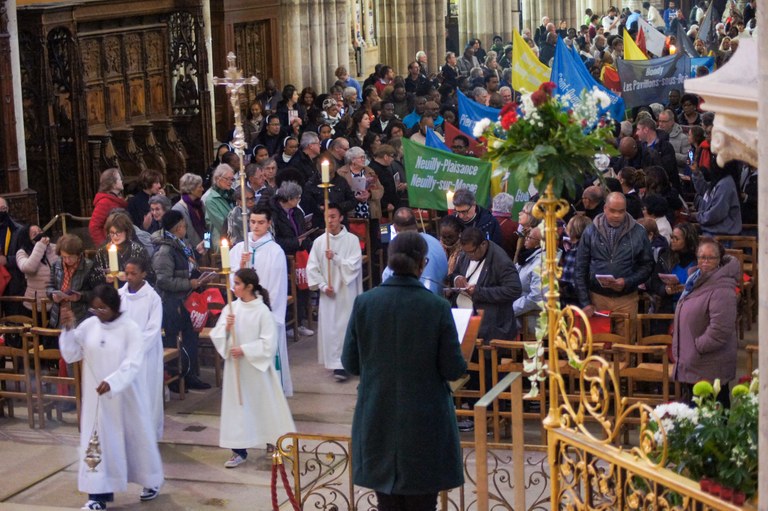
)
(387, 180)
(285, 236)
(662, 154)
(498, 286)
(486, 222)
(631, 259)
(402, 341)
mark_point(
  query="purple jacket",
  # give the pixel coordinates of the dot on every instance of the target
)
(705, 334)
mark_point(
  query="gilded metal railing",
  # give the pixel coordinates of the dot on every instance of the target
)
(321, 465)
(588, 470)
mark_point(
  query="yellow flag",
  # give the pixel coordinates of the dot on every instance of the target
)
(499, 174)
(527, 71)
(631, 51)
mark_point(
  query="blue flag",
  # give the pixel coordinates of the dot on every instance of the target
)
(434, 141)
(570, 76)
(470, 112)
(708, 62)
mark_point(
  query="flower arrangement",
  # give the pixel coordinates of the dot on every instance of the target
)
(546, 139)
(549, 140)
(712, 444)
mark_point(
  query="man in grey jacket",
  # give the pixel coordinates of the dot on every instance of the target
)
(677, 139)
(614, 258)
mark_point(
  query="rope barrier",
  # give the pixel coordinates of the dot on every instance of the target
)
(277, 465)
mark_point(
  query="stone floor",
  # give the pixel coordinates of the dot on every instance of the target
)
(40, 466)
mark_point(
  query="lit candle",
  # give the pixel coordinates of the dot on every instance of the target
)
(225, 254)
(672, 49)
(112, 250)
(326, 172)
(449, 199)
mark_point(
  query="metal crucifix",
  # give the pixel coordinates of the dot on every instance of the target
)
(234, 81)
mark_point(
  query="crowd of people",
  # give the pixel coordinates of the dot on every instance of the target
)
(626, 233)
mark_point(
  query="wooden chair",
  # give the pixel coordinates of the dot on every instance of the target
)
(292, 304)
(171, 355)
(19, 374)
(46, 400)
(508, 357)
(361, 227)
(470, 344)
(206, 349)
(741, 315)
(647, 362)
(749, 248)
(752, 350)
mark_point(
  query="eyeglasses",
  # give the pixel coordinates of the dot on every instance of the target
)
(462, 212)
(273, 124)
(708, 258)
(115, 233)
(227, 179)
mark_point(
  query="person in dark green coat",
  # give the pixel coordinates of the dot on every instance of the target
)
(402, 341)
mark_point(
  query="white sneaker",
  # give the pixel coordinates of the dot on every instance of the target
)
(149, 494)
(235, 461)
(305, 332)
(94, 504)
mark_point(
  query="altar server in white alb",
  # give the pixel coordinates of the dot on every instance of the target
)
(111, 347)
(265, 256)
(263, 416)
(143, 305)
(337, 292)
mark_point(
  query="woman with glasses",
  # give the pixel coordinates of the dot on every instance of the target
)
(219, 200)
(120, 233)
(111, 348)
(705, 336)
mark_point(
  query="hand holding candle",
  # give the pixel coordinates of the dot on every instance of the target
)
(325, 170)
(113, 265)
(225, 255)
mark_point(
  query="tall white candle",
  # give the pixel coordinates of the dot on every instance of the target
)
(326, 172)
(225, 255)
(113, 266)
(449, 199)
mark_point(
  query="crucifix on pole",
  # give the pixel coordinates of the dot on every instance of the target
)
(234, 81)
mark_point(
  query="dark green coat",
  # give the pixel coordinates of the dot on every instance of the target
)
(402, 341)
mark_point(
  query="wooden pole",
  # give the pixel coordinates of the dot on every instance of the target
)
(226, 272)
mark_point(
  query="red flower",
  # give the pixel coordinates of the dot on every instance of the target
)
(508, 107)
(539, 98)
(547, 87)
(508, 119)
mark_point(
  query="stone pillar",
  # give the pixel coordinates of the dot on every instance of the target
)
(762, 222)
(13, 158)
(292, 61)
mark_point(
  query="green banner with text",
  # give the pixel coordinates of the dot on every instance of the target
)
(432, 173)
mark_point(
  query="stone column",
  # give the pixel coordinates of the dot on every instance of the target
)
(762, 222)
(291, 26)
(14, 157)
(317, 44)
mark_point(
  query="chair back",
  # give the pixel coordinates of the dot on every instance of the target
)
(16, 381)
(53, 389)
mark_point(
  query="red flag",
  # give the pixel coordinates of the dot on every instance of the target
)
(475, 147)
(610, 78)
(640, 41)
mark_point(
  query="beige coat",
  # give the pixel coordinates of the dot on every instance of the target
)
(376, 188)
(35, 271)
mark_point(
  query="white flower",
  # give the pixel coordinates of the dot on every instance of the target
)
(602, 97)
(480, 127)
(497, 143)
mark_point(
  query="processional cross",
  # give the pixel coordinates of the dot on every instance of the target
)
(234, 81)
